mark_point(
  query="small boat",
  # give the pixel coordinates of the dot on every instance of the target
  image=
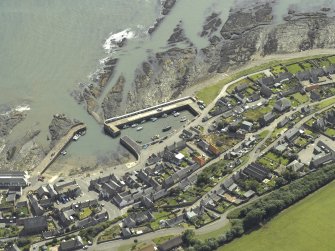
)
(139, 128)
(176, 114)
(153, 119)
(139, 141)
(63, 152)
(159, 109)
(143, 121)
(183, 119)
(164, 115)
(76, 137)
(125, 126)
(134, 125)
(165, 129)
(145, 146)
(155, 137)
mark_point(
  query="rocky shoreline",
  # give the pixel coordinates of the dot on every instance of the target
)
(232, 44)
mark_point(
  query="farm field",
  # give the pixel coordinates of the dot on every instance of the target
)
(308, 225)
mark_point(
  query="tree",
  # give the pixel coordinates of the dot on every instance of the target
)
(203, 179)
(188, 237)
(253, 218)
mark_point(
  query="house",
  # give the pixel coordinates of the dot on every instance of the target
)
(246, 126)
(254, 97)
(171, 244)
(291, 134)
(267, 81)
(147, 202)
(214, 150)
(283, 76)
(257, 171)
(265, 91)
(12, 247)
(35, 225)
(283, 122)
(315, 96)
(303, 75)
(37, 209)
(190, 215)
(72, 244)
(330, 69)
(267, 119)
(203, 145)
(306, 109)
(129, 222)
(66, 216)
(248, 194)
(241, 87)
(201, 160)
(126, 232)
(282, 105)
(280, 149)
(15, 179)
(319, 125)
(295, 166)
(322, 160)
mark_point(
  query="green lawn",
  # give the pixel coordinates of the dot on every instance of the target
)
(277, 69)
(307, 65)
(257, 76)
(325, 103)
(300, 98)
(162, 239)
(307, 226)
(85, 213)
(330, 132)
(332, 59)
(293, 68)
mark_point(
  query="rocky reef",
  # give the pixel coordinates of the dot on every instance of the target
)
(9, 120)
(166, 6)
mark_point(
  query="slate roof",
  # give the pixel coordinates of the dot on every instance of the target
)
(256, 171)
(72, 244)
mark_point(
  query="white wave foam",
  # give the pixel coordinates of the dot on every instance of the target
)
(113, 39)
(22, 108)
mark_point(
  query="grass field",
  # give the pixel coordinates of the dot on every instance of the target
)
(293, 68)
(307, 226)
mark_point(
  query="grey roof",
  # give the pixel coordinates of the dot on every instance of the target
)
(171, 244)
(72, 244)
(282, 104)
(38, 222)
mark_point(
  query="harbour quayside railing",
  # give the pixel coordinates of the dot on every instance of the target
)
(148, 109)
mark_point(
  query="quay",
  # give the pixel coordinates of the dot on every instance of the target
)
(132, 146)
(113, 126)
(55, 151)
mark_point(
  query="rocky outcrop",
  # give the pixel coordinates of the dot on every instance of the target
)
(167, 5)
(113, 99)
(9, 120)
(59, 126)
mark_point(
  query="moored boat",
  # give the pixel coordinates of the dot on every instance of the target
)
(183, 119)
(134, 125)
(139, 128)
(155, 137)
(176, 114)
(153, 119)
(165, 129)
(164, 115)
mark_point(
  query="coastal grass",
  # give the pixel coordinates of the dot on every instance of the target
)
(307, 225)
(209, 93)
